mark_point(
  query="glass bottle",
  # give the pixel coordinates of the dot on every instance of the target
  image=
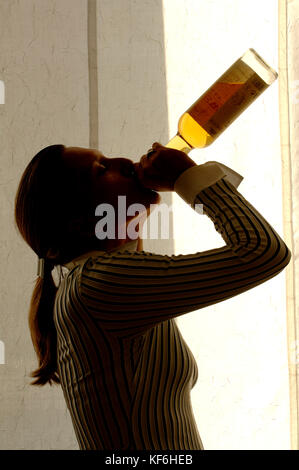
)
(223, 102)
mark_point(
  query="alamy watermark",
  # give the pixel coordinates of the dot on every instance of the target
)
(2, 353)
(2, 92)
(113, 223)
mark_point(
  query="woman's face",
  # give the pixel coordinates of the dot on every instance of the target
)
(106, 178)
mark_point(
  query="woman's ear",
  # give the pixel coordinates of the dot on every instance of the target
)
(53, 253)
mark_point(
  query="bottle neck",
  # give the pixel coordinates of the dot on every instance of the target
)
(178, 143)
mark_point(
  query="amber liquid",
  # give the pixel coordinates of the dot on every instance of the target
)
(218, 107)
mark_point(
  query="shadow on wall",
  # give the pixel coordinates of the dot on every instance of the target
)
(128, 89)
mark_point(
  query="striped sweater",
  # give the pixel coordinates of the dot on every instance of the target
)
(125, 369)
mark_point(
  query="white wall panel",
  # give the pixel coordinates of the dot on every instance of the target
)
(241, 399)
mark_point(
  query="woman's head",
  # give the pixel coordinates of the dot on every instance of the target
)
(58, 194)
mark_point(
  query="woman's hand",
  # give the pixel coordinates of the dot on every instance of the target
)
(161, 166)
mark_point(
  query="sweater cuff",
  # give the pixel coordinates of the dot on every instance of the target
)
(199, 177)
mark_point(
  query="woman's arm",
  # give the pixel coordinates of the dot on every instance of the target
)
(129, 293)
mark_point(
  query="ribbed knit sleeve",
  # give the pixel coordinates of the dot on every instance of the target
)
(130, 292)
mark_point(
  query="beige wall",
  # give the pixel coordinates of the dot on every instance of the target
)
(117, 74)
(44, 67)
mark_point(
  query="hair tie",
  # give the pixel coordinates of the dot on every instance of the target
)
(42, 263)
(41, 267)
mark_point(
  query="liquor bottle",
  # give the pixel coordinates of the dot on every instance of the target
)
(223, 102)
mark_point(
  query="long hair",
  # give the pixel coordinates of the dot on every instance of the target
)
(43, 205)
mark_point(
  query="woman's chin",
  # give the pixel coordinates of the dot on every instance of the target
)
(154, 196)
(158, 196)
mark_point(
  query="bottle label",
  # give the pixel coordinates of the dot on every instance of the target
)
(227, 98)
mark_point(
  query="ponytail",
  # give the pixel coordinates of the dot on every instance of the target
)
(42, 328)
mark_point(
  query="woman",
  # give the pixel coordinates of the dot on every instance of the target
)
(107, 334)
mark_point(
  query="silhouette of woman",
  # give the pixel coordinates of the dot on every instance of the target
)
(107, 332)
